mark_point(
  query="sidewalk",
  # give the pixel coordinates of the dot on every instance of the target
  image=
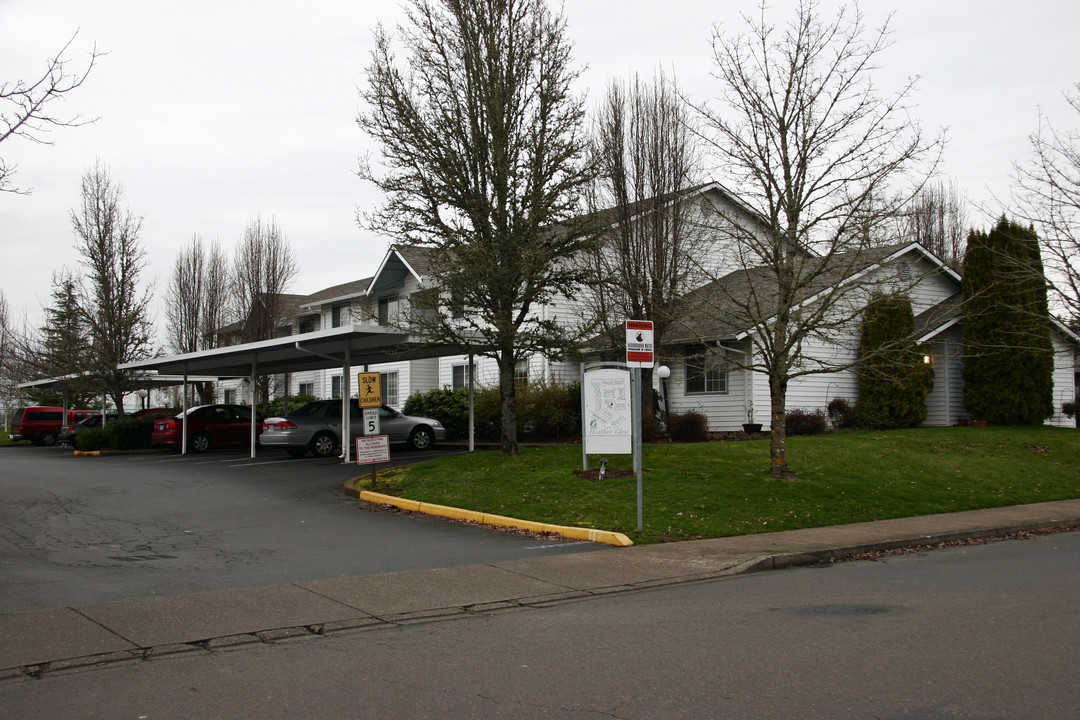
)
(73, 639)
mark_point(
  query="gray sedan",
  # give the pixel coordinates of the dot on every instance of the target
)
(316, 427)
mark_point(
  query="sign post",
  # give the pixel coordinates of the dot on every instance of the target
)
(375, 449)
(640, 352)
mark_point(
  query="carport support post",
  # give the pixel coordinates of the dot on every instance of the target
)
(346, 391)
(183, 422)
(254, 393)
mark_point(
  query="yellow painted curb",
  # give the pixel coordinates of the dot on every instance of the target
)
(87, 453)
(605, 537)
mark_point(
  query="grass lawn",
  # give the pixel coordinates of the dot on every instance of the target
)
(723, 488)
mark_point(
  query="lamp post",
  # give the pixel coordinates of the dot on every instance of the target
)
(143, 393)
(664, 372)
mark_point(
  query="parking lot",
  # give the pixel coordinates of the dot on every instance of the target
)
(86, 530)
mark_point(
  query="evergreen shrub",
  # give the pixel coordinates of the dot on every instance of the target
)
(89, 440)
(894, 380)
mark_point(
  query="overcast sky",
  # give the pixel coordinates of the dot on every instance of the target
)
(213, 112)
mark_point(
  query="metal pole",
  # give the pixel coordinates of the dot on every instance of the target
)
(636, 381)
(472, 413)
(254, 391)
(183, 417)
(346, 408)
(584, 444)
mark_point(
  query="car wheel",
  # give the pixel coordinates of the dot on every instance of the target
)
(297, 452)
(323, 445)
(200, 442)
(47, 438)
(421, 438)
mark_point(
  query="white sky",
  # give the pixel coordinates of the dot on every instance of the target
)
(213, 112)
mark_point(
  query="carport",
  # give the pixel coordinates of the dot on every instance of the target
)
(66, 383)
(345, 347)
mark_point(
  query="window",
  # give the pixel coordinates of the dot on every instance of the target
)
(706, 371)
(307, 389)
(460, 376)
(308, 325)
(521, 372)
(335, 386)
(230, 397)
(388, 307)
(389, 388)
(339, 315)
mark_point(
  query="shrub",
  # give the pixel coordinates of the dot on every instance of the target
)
(278, 408)
(842, 415)
(689, 426)
(548, 411)
(128, 434)
(93, 439)
(805, 422)
(450, 407)
(1069, 409)
(893, 379)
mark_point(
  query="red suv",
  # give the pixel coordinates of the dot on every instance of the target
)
(41, 425)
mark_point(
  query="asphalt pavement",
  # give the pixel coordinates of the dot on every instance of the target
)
(48, 642)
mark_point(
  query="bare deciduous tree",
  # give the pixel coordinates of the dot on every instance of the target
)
(653, 247)
(1048, 197)
(197, 301)
(27, 107)
(483, 144)
(264, 266)
(114, 306)
(936, 218)
(813, 150)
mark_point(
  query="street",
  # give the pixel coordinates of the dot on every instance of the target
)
(978, 631)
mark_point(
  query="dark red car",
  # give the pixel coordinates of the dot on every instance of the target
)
(207, 426)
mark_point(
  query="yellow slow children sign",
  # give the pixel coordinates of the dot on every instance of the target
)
(369, 390)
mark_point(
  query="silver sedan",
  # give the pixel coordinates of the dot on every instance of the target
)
(316, 428)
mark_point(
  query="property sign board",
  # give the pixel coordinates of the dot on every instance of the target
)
(371, 450)
(369, 390)
(606, 403)
(639, 343)
(371, 421)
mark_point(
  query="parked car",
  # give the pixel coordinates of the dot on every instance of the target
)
(207, 426)
(316, 427)
(153, 413)
(41, 424)
(68, 432)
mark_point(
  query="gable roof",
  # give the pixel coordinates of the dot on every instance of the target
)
(344, 291)
(717, 310)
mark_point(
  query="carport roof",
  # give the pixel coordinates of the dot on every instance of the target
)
(66, 383)
(366, 345)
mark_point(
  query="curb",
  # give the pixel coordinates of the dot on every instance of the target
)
(605, 537)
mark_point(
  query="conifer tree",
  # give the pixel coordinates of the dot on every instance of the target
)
(1008, 356)
(893, 378)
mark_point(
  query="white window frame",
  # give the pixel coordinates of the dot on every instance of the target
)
(390, 388)
(707, 366)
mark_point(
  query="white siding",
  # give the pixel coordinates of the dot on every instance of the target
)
(1064, 380)
(945, 403)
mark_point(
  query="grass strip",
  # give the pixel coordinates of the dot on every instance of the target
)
(723, 488)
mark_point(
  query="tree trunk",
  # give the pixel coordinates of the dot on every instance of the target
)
(778, 426)
(508, 446)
